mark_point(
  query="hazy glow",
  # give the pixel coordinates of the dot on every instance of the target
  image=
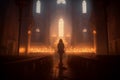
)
(38, 6)
(61, 2)
(61, 28)
(68, 50)
(29, 40)
(84, 30)
(41, 50)
(94, 32)
(94, 38)
(21, 50)
(80, 50)
(37, 30)
(84, 6)
(29, 31)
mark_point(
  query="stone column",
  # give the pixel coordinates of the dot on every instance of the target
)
(101, 28)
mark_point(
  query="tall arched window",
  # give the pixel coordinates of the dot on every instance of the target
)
(61, 28)
(84, 6)
(38, 6)
(61, 1)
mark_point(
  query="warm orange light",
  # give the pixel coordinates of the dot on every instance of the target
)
(68, 35)
(29, 32)
(94, 32)
(54, 36)
(84, 30)
(21, 50)
(69, 50)
(41, 50)
(80, 50)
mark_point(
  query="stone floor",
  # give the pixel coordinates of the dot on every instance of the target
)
(73, 67)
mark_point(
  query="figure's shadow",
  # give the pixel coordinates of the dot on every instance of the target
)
(60, 76)
(61, 71)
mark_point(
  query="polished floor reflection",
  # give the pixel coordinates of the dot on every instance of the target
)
(48, 67)
(61, 71)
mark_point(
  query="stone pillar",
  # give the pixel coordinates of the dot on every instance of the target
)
(101, 28)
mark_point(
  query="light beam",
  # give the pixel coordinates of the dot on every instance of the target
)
(61, 28)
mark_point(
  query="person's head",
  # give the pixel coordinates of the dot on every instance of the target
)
(60, 41)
